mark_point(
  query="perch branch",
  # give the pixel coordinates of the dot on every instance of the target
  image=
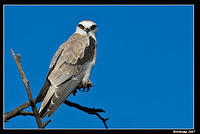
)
(16, 111)
(92, 111)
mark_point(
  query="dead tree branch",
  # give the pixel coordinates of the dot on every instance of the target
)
(19, 110)
(15, 112)
(26, 84)
(88, 110)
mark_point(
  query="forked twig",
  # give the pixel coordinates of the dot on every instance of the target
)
(26, 84)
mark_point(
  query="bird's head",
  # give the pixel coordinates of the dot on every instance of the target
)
(87, 27)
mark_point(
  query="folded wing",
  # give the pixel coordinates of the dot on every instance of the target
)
(65, 74)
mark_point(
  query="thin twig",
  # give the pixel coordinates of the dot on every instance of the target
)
(103, 120)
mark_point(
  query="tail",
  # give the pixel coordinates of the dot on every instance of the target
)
(56, 96)
(43, 91)
(46, 101)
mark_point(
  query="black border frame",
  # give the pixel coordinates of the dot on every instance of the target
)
(139, 2)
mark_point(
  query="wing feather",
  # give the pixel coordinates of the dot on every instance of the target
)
(48, 96)
(61, 94)
(75, 42)
(67, 59)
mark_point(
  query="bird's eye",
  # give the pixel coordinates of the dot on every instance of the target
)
(80, 26)
(93, 27)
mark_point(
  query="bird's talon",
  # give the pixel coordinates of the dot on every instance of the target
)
(83, 89)
(87, 90)
(74, 92)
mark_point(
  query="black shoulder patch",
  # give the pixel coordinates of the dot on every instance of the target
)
(91, 41)
(89, 52)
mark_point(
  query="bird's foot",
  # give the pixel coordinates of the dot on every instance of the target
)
(86, 87)
(74, 92)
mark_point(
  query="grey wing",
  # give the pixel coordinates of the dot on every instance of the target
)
(72, 50)
(65, 46)
(65, 74)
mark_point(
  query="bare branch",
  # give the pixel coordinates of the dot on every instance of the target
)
(92, 111)
(15, 112)
(24, 113)
(26, 84)
(19, 113)
(103, 120)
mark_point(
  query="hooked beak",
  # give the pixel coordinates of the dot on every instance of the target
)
(87, 30)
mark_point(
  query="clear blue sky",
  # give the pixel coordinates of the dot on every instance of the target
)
(143, 76)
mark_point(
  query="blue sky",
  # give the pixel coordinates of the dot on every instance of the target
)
(143, 75)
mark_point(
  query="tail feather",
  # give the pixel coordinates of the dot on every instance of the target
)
(48, 97)
(55, 97)
(56, 101)
(43, 112)
(43, 91)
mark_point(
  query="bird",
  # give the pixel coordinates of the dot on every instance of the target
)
(70, 67)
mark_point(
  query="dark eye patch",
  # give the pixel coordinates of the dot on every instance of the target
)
(93, 27)
(80, 26)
